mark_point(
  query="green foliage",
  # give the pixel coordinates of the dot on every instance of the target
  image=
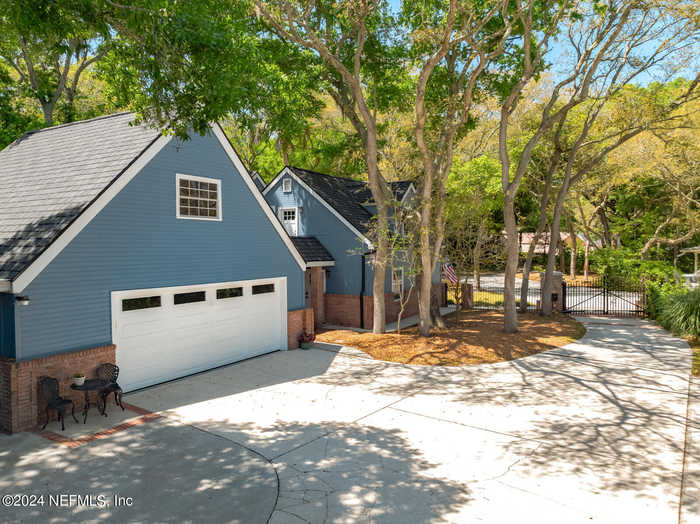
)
(675, 308)
(474, 184)
(15, 119)
(626, 262)
(658, 296)
(48, 46)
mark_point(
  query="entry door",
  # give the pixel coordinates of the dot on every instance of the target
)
(290, 220)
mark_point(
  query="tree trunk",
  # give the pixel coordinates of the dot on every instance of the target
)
(477, 256)
(562, 255)
(510, 316)
(424, 313)
(541, 224)
(380, 262)
(48, 108)
(572, 236)
(435, 316)
(458, 298)
(607, 237)
(525, 284)
(551, 255)
(586, 247)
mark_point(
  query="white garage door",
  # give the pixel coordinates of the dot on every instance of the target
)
(166, 333)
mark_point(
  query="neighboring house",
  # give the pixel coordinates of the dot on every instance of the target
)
(119, 244)
(334, 215)
(542, 246)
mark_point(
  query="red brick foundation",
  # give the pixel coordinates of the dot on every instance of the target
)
(344, 310)
(297, 321)
(21, 404)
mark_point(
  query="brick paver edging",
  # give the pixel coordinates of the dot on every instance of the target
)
(146, 416)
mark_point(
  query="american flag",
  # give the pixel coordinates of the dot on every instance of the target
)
(449, 273)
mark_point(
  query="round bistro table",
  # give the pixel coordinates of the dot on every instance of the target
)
(91, 384)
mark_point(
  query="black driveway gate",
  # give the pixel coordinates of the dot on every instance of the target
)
(607, 295)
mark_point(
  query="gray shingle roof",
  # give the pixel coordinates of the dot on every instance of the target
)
(343, 194)
(311, 249)
(346, 195)
(48, 177)
(399, 188)
(258, 181)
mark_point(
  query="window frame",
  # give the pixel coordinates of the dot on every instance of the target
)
(397, 295)
(296, 219)
(219, 197)
(286, 185)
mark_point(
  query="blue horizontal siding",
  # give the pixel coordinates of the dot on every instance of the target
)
(137, 242)
(317, 221)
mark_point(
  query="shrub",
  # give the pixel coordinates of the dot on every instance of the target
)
(680, 313)
(624, 261)
(658, 296)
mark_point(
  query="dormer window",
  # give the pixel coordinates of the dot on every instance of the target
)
(198, 198)
(287, 185)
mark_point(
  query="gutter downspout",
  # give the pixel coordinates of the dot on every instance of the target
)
(362, 291)
(362, 294)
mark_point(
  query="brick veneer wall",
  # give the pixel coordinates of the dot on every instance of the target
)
(344, 310)
(297, 321)
(21, 404)
(392, 308)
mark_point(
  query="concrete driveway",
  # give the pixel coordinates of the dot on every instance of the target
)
(593, 432)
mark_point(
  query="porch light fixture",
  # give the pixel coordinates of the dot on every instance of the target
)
(22, 300)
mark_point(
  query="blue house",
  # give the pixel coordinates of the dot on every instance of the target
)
(335, 214)
(119, 244)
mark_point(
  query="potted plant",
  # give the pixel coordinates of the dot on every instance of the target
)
(305, 339)
(78, 379)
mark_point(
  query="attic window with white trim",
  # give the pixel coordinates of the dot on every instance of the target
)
(198, 198)
(287, 185)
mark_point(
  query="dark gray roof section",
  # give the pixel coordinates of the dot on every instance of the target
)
(346, 195)
(311, 249)
(342, 194)
(399, 188)
(48, 177)
(258, 181)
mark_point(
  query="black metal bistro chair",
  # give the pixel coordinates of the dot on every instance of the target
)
(110, 373)
(49, 388)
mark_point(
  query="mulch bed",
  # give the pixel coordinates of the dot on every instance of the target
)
(476, 338)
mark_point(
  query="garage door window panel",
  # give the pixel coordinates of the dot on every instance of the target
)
(229, 292)
(189, 298)
(133, 304)
(261, 289)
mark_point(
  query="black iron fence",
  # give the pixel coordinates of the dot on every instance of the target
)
(491, 297)
(607, 296)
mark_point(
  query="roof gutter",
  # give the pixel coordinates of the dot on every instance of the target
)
(5, 286)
